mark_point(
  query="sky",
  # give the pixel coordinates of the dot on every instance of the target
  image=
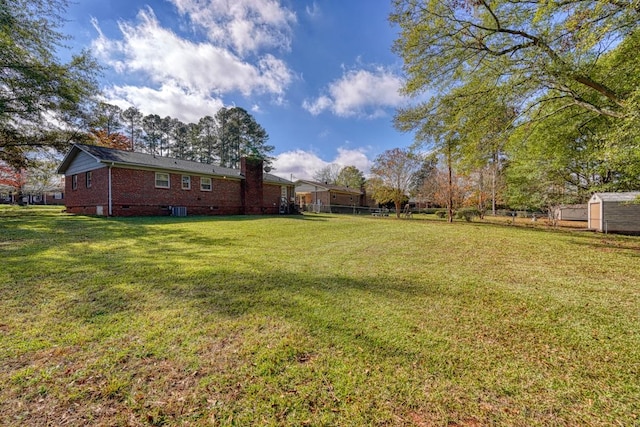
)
(318, 76)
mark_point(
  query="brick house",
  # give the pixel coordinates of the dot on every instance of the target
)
(105, 181)
(319, 197)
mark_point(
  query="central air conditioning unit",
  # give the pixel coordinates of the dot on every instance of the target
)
(178, 211)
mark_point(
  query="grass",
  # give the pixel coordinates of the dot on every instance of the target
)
(314, 320)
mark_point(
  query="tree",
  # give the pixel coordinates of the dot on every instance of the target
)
(151, 124)
(112, 140)
(207, 126)
(446, 190)
(43, 101)
(180, 135)
(166, 135)
(11, 179)
(495, 66)
(328, 174)
(41, 178)
(239, 135)
(107, 117)
(393, 172)
(350, 176)
(543, 49)
(133, 119)
(422, 188)
(441, 129)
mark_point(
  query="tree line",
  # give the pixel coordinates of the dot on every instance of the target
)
(222, 139)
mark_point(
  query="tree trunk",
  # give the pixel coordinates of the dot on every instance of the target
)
(450, 190)
(494, 173)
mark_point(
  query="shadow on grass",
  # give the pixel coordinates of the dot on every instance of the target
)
(97, 268)
(114, 266)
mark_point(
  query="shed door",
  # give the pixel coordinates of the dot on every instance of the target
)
(594, 216)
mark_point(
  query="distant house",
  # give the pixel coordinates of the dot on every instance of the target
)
(319, 197)
(105, 181)
(615, 212)
(52, 194)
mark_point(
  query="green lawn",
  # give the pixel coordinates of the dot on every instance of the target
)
(314, 320)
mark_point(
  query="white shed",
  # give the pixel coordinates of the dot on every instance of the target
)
(615, 212)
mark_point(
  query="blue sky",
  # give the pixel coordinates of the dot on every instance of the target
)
(319, 76)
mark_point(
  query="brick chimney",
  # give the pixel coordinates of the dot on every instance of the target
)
(252, 193)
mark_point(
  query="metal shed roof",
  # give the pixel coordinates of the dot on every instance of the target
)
(628, 196)
(319, 186)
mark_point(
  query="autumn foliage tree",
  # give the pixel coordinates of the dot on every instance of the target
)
(392, 176)
(12, 179)
(112, 140)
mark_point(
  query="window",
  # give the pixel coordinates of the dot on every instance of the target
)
(205, 184)
(74, 182)
(186, 182)
(162, 180)
(88, 179)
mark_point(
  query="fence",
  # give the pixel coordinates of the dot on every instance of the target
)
(343, 209)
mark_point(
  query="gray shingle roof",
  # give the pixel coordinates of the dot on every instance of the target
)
(132, 158)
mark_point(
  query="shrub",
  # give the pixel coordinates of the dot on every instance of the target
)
(467, 213)
(441, 213)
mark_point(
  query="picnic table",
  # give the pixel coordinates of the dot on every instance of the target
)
(380, 212)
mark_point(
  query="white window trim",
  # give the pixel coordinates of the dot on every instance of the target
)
(88, 179)
(168, 180)
(210, 184)
(188, 187)
(74, 182)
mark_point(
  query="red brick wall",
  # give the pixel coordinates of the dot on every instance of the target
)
(272, 194)
(344, 199)
(84, 200)
(252, 191)
(135, 193)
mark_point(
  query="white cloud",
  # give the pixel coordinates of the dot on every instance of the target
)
(360, 93)
(170, 100)
(313, 11)
(246, 26)
(199, 67)
(354, 157)
(318, 106)
(303, 164)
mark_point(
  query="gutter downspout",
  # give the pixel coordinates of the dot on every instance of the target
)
(110, 194)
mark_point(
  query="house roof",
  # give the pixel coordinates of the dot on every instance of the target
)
(131, 158)
(628, 196)
(327, 187)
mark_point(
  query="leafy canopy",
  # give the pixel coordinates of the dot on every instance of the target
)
(42, 99)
